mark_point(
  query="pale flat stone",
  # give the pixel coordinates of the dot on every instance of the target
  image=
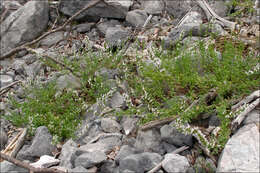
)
(241, 153)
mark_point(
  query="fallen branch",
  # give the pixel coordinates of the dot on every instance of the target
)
(6, 88)
(24, 46)
(19, 143)
(211, 14)
(239, 119)
(157, 167)
(248, 99)
(27, 166)
(211, 95)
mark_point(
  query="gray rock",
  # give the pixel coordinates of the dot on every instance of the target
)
(136, 18)
(116, 36)
(19, 66)
(177, 8)
(125, 151)
(68, 81)
(241, 153)
(33, 69)
(67, 154)
(3, 138)
(252, 117)
(149, 141)
(129, 124)
(84, 27)
(41, 145)
(103, 26)
(153, 7)
(175, 163)
(117, 101)
(24, 25)
(107, 73)
(9, 167)
(172, 136)
(111, 126)
(109, 167)
(90, 159)
(5, 80)
(80, 169)
(29, 59)
(105, 144)
(139, 162)
(52, 39)
(214, 120)
(168, 147)
(113, 10)
(220, 7)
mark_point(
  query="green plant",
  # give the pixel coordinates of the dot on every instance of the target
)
(44, 106)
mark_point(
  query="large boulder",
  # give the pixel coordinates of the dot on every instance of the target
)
(114, 9)
(241, 153)
(41, 145)
(24, 25)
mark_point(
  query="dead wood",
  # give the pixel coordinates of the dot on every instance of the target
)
(211, 95)
(28, 166)
(248, 99)
(212, 15)
(239, 119)
(4, 89)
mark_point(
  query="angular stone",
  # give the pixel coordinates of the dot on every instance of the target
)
(175, 163)
(41, 145)
(90, 159)
(24, 25)
(241, 153)
(68, 81)
(52, 39)
(173, 136)
(5, 80)
(67, 154)
(252, 117)
(103, 26)
(9, 167)
(136, 18)
(125, 151)
(116, 36)
(110, 126)
(115, 9)
(153, 7)
(109, 167)
(148, 141)
(84, 27)
(106, 144)
(139, 162)
(129, 124)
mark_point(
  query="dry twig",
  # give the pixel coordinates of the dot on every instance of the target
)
(28, 166)
(4, 89)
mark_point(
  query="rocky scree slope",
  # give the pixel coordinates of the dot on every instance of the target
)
(106, 95)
